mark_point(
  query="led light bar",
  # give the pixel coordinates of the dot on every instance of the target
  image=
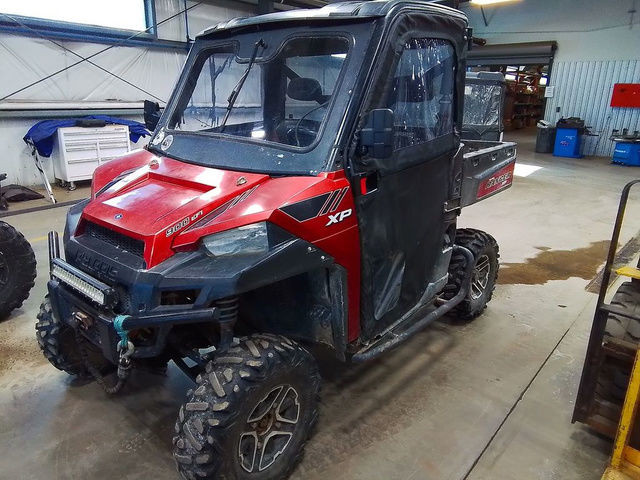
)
(89, 287)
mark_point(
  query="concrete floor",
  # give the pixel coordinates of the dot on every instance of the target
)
(487, 400)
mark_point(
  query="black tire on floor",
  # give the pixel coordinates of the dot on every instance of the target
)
(17, 269)
(239, 422)
(58, 342)
(485, 274)
(614, 378)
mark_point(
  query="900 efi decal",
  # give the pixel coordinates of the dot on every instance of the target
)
(182, 223)
(317, 206)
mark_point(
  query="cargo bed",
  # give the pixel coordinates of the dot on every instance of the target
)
(487, 169)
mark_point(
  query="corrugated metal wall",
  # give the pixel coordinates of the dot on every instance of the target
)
(583, 89)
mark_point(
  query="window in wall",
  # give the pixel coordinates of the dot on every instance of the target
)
(112, 14)
(422, 94)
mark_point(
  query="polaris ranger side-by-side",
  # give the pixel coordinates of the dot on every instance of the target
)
(301, 189)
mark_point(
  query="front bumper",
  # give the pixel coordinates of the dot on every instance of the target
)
(132, 290)
(140, 290)
(99, 330)
(76, 309)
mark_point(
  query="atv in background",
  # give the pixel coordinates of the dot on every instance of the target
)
(301, 189)
(17, 268)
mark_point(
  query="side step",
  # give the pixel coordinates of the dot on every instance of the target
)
(405, 329)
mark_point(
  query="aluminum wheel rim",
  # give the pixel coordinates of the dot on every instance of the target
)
(480, 277)
(269, 429)
(4, 270)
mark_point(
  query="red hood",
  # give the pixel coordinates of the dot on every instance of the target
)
(159, 199)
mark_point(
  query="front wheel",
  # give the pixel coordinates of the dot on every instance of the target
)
(58, 342)
(59, 345)
(483, 277)
(251, 413)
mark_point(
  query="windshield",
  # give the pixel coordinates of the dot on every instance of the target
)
(482, 104)
(282, 99)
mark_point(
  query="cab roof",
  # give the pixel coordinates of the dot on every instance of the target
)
(335, 11)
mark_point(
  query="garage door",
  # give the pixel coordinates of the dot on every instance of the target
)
(512, 54)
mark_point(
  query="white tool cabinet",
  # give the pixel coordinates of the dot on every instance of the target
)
(79, 151)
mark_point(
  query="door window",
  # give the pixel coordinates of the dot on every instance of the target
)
(422, 92)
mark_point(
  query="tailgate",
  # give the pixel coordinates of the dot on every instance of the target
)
(487, 169)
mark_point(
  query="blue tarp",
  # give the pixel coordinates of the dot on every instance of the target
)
(43, 133)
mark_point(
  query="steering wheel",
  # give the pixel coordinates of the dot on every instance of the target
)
(293, 132)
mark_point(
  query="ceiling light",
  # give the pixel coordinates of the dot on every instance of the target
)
(483, 3)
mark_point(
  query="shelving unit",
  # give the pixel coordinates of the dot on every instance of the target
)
(525, 102)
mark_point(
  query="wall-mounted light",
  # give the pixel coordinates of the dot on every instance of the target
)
(485, 3)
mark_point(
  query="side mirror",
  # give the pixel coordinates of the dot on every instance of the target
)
(151, 114)
(377, 134)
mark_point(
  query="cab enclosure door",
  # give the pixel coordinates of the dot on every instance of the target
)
(406, 230)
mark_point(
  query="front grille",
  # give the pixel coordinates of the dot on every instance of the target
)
(124, 243)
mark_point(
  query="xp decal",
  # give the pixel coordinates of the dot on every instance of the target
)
(338, 217)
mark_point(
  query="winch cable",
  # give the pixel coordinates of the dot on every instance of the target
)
(123, 371)
(118, 43)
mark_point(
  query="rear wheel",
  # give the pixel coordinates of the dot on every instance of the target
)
(17, 269)
(251, 413)
(614, 378)
(483, 277)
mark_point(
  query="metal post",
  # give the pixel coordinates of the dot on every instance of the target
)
(186, 21)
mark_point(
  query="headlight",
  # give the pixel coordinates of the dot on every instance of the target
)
(247, 240)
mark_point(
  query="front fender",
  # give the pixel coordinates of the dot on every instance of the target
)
(234, 275)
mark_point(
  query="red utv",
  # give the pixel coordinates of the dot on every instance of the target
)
(301, 189)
